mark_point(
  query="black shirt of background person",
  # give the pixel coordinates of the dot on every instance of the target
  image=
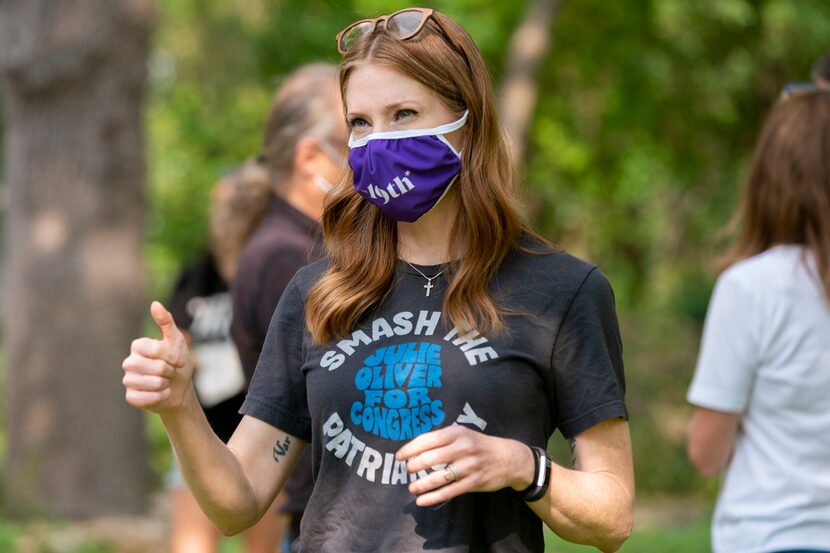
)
(201, 280)
(283, 242)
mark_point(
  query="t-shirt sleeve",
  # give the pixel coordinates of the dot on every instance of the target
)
(588, 384)
(728, 355)
(277, 394)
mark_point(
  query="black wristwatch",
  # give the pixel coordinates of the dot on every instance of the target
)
(541, 476)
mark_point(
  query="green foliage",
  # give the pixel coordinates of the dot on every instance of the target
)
(26, 537)
(8, 535)
(636, 157)
(680, 538)
(647, 115)
(161, 453)
(651, 112)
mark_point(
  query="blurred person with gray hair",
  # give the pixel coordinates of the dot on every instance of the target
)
(304, 152)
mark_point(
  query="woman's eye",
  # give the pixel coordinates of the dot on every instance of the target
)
(357, 123)
(404, 113)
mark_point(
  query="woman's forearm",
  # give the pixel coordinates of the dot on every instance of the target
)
(212, 471)
(711, 439)
(591, 508)
(592, 505)
(233, 484)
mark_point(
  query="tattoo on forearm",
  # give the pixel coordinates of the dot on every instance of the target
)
(572, 443)
(281, 448)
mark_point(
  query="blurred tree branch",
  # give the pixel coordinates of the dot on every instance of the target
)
(519, 90)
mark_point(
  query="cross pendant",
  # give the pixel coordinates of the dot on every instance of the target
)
(428, 286)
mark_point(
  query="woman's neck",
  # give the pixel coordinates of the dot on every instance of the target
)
(429, 240)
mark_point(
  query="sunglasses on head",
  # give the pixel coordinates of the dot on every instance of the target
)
(403, 25)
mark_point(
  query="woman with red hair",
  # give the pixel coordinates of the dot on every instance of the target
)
(429, 358)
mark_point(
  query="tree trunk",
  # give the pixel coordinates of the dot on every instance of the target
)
(72, 77)
(519, 91)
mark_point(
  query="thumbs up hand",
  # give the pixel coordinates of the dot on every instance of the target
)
(158, 373)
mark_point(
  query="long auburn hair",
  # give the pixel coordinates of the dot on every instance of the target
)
(362, 242)
(786, 197)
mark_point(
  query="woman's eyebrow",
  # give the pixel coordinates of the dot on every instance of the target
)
(387, 108)
(408, 103)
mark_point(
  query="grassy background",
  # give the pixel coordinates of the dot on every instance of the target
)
(683, 536)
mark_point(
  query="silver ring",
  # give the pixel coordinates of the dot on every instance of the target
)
(450, 468)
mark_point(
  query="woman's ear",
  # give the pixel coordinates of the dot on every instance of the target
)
(308, 158)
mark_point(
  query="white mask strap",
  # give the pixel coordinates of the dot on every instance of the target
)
(322, 183)
(333, 154)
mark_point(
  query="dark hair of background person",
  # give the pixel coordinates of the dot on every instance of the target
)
(820, 73)
(362, 242)
(786, 196)
(301, 107)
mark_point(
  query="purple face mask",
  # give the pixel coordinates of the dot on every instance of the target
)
(405, 173)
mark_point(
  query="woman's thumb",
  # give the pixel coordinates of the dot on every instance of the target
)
(165, 322)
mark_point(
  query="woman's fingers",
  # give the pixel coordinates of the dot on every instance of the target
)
(444, 492)
(158, 349)
(144, 365)
(171, 348)
(428, 441)
(142, 399)
(455, 445)
(156, 371)
(433, 458)
(144, 383)
(164, 319)
(442, 475)
(478, 462)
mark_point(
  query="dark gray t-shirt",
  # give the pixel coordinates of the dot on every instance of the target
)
(406, 371)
